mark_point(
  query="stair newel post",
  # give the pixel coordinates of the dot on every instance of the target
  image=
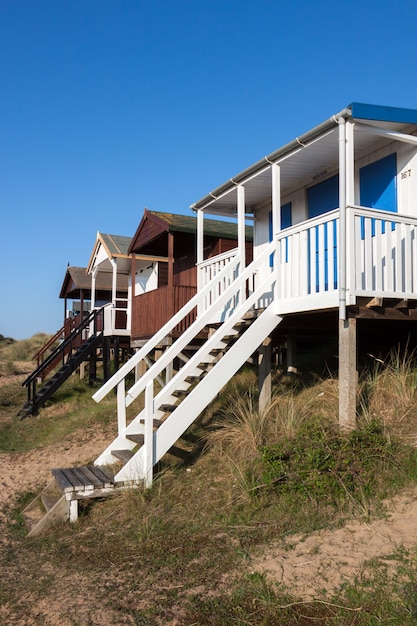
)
(148, 434)
(276, 220)
(241, 234)
(121, 406)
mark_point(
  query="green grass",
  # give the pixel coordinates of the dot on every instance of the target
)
(70, 408)
(181, 551)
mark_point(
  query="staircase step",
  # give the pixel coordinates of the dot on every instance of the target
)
(156, 423)
(123, 455)
(47, 508)
(49, 500)
(137, 438)
(74, 479)
(174, 450)
(181, 393)
(168, 408)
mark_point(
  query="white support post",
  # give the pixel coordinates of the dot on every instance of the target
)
(276, 215)
(93, 295)
(276, 198)
(241, 242)
(114, 282)
(342, 213)
(148, 434)
(200, 250)
(121, 406)
(350, 201)
(93, 287)
(347, 326)
(73, 510)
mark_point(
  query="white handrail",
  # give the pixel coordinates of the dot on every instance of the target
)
(218, 258)
(171, 352)
(163, 332)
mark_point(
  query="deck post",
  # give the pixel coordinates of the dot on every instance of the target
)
(291, 353)
(347, 374)
(265, 374)
(93, 295)
(276, 214)
(148, 434)
(347, 326)
(73, 510)
(241, 243)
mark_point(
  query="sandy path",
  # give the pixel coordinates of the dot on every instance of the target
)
(308, 566)
(321, 562)
(28, 471)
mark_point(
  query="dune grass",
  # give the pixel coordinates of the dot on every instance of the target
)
(180, 552)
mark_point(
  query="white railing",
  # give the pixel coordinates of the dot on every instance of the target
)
(307, 265)
(165, 331)
(381, 259)
(145, 383)
(208, 270)
(117, 318)
(385, 253)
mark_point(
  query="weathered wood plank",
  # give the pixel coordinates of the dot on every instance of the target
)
(102, 475)
(98, 483)
(77, 479)
(63, 481)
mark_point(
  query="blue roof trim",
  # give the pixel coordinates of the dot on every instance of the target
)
(383, 113)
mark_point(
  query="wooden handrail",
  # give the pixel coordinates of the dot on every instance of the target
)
(62, 331)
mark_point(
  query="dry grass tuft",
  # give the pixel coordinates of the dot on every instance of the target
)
(389, 393)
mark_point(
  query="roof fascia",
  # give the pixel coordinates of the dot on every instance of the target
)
(139, 228)
(98, 241)
(271, 158)
(378, 113)
(148, 215)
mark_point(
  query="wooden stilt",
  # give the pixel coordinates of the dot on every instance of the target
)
(265, 374)
(348, 376)
(291, 354)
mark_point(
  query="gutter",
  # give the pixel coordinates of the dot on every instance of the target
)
(273, 157)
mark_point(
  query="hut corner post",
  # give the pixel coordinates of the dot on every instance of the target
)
(347, 326)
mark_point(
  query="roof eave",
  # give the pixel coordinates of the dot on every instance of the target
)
(271, 158)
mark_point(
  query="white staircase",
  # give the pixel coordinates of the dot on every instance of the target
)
(242, 309)
(239, 308)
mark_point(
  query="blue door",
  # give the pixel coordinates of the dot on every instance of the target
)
(378, 187)
(377, 181)
(322, 198)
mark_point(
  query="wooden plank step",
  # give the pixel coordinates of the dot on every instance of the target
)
(74, 479)
(123, 455)
(181, 393)
(179, 452)
(168, 408)
(138, 438)
(174, 450)
(156, 423)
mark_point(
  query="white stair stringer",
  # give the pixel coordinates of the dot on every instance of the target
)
(204, 392)
(216, 360)
(178, 382)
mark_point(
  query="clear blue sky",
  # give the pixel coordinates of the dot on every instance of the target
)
(110, 106)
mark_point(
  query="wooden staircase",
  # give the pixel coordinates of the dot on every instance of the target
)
(238, 326)
(63, 353)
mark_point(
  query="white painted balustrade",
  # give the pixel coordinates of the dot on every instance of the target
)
(385, 254)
